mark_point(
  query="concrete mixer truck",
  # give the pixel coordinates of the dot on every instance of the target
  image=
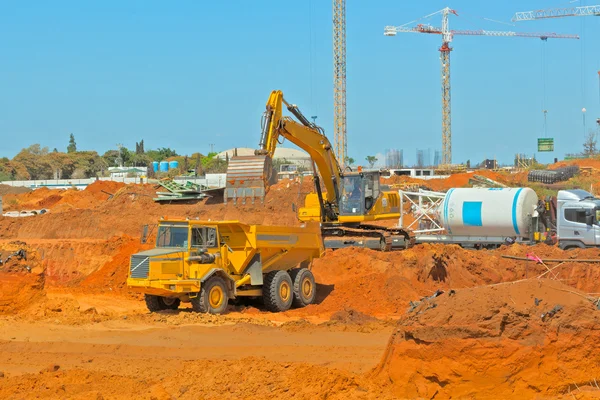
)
(490, 217)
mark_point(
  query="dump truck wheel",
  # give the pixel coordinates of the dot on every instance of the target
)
(158, 303)
(278, 291)
(305, 289)
(170, 303)
(213, 297)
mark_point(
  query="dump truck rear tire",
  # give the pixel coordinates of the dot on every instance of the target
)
(158, 303)
(305, 288)
(278, 291)
(213, 297)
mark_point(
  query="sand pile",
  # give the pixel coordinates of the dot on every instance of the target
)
(528, 338)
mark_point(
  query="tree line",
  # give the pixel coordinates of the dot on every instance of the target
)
(37, 162)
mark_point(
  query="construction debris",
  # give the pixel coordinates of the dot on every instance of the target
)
(482, 181)
(19, 254)
(552, 312)
(180, 192)
(553, 176)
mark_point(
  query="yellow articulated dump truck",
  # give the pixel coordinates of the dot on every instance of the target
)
(208, 263)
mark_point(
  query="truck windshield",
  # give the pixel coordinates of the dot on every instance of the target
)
(172, 236)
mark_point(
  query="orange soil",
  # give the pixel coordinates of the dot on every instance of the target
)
(460, 180)
(492, 342)
(80, 253)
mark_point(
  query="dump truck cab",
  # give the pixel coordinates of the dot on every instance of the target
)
(207, 263)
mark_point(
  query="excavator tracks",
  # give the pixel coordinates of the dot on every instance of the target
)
(368, 236)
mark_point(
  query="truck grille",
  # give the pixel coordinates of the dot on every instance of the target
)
(139, 266)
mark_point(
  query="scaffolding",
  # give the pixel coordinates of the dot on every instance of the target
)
(424, 206)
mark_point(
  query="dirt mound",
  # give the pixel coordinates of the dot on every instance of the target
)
(531, 337)
(112, 276)
(132, 206)
(383, 284)
(351, 316)
(61, 200)
(7, 189)
(459, 180)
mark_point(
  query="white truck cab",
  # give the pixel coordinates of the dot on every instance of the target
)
(577, 219)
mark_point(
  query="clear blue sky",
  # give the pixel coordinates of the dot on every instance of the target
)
(186, 74)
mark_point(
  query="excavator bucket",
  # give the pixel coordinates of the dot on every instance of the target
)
(249, 177)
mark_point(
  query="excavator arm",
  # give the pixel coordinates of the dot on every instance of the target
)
(306, 135)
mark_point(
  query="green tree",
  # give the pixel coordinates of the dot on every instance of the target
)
(161, 154)
(141, 160)
(371, 160)
(126, 156)
(72, 147)
(61, 165)
(32, 158)
(111, 157)
(88, 164)
(139, 147)
(589, 146)
(350, 161)
(198, 164)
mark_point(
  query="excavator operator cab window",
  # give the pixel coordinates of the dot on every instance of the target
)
(352, 201)
(204, 237)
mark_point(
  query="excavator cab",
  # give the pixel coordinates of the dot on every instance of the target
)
(359, 192)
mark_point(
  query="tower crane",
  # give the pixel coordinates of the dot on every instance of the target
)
(339, 80)
(447, 36)
(557, 13)
(582, 11)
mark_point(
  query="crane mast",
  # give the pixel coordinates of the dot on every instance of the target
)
(339, 80)
(447, 36)
(445, 50)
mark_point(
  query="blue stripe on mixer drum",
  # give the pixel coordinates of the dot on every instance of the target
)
(471, 213)
(514, 211)
(446, 202)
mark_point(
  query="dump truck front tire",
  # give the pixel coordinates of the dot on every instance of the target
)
(213, 296)
(305, 288)
(170, 303)
(278, 291)
(158, 303)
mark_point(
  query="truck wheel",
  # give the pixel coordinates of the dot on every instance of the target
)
(305, 289)
(212, 298)
(159, 303)
(278, 292)
(170, 303)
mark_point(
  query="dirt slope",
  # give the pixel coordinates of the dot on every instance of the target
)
(495, 341)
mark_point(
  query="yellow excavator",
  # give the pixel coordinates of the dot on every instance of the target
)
(349, 200)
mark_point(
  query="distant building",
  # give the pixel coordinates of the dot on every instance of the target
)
(293, 156)
(125, 172)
